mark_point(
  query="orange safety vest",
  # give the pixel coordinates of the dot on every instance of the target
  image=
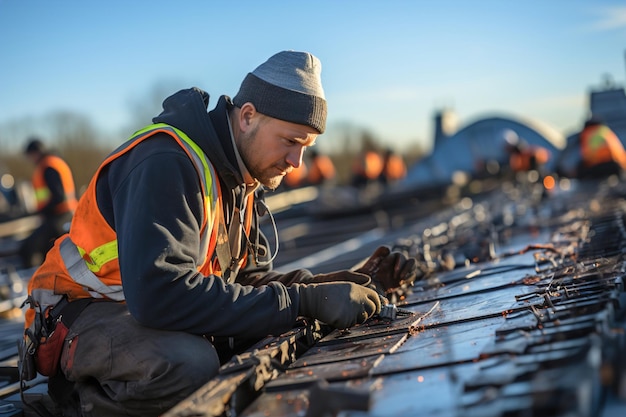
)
(369, 165)
(42, 192)
(395, 168)
(322, 169)
(599, 144)
(521, 162)
(295, 177)
(84, 263)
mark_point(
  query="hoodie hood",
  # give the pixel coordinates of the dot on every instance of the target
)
(187, 110)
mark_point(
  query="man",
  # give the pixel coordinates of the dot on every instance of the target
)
(601, 151)
(55, 200)
(322, 170)
(367, 168)
(296, 178)
(168, 234)
(524, 157)
(394, 167)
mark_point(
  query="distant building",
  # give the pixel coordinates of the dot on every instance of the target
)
(446, 124)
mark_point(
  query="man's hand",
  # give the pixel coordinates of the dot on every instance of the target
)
(390, 270)
(338, 304)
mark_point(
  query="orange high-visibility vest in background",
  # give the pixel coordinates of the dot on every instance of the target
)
(599, 144)
(523, 161)
(322, 169)
(368, 165)
(395, 168)
(42, 192)
(296, 177)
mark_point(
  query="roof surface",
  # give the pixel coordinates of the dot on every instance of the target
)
(519, 313)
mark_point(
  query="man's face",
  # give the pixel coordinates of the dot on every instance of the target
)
(270, 148)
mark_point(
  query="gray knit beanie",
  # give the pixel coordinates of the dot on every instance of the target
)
(287, 86)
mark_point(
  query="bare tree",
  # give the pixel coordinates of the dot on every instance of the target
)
(69, 134)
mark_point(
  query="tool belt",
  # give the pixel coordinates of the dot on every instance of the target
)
(43, 352)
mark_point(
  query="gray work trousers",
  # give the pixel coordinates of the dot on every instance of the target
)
(121, 368)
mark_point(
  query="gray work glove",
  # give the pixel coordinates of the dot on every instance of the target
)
(343, 276)
(338, 304)
(389, 270)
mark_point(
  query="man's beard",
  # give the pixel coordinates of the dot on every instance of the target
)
(272, 183)
(248, 151)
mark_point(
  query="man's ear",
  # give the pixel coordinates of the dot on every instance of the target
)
(246, 116)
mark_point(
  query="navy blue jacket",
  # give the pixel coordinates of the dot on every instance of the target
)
(151, 197)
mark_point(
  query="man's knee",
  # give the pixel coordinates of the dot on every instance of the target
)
(196, 361)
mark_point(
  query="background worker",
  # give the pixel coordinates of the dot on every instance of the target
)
(366, 168)
(167, 233)
(317, 169)
(394, 167)
(321, 169)
(55, 200)
(601, 151)
(296, 178)
(524, 157)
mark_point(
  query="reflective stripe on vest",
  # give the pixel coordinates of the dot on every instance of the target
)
(595, 145)
(42, 195)
(83, 265)
(77, 268)
(99, 256)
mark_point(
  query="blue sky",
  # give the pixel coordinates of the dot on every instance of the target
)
(387, 66)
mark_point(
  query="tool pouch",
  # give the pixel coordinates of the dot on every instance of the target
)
(44, 345)
(48, 353)
(26, 362)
